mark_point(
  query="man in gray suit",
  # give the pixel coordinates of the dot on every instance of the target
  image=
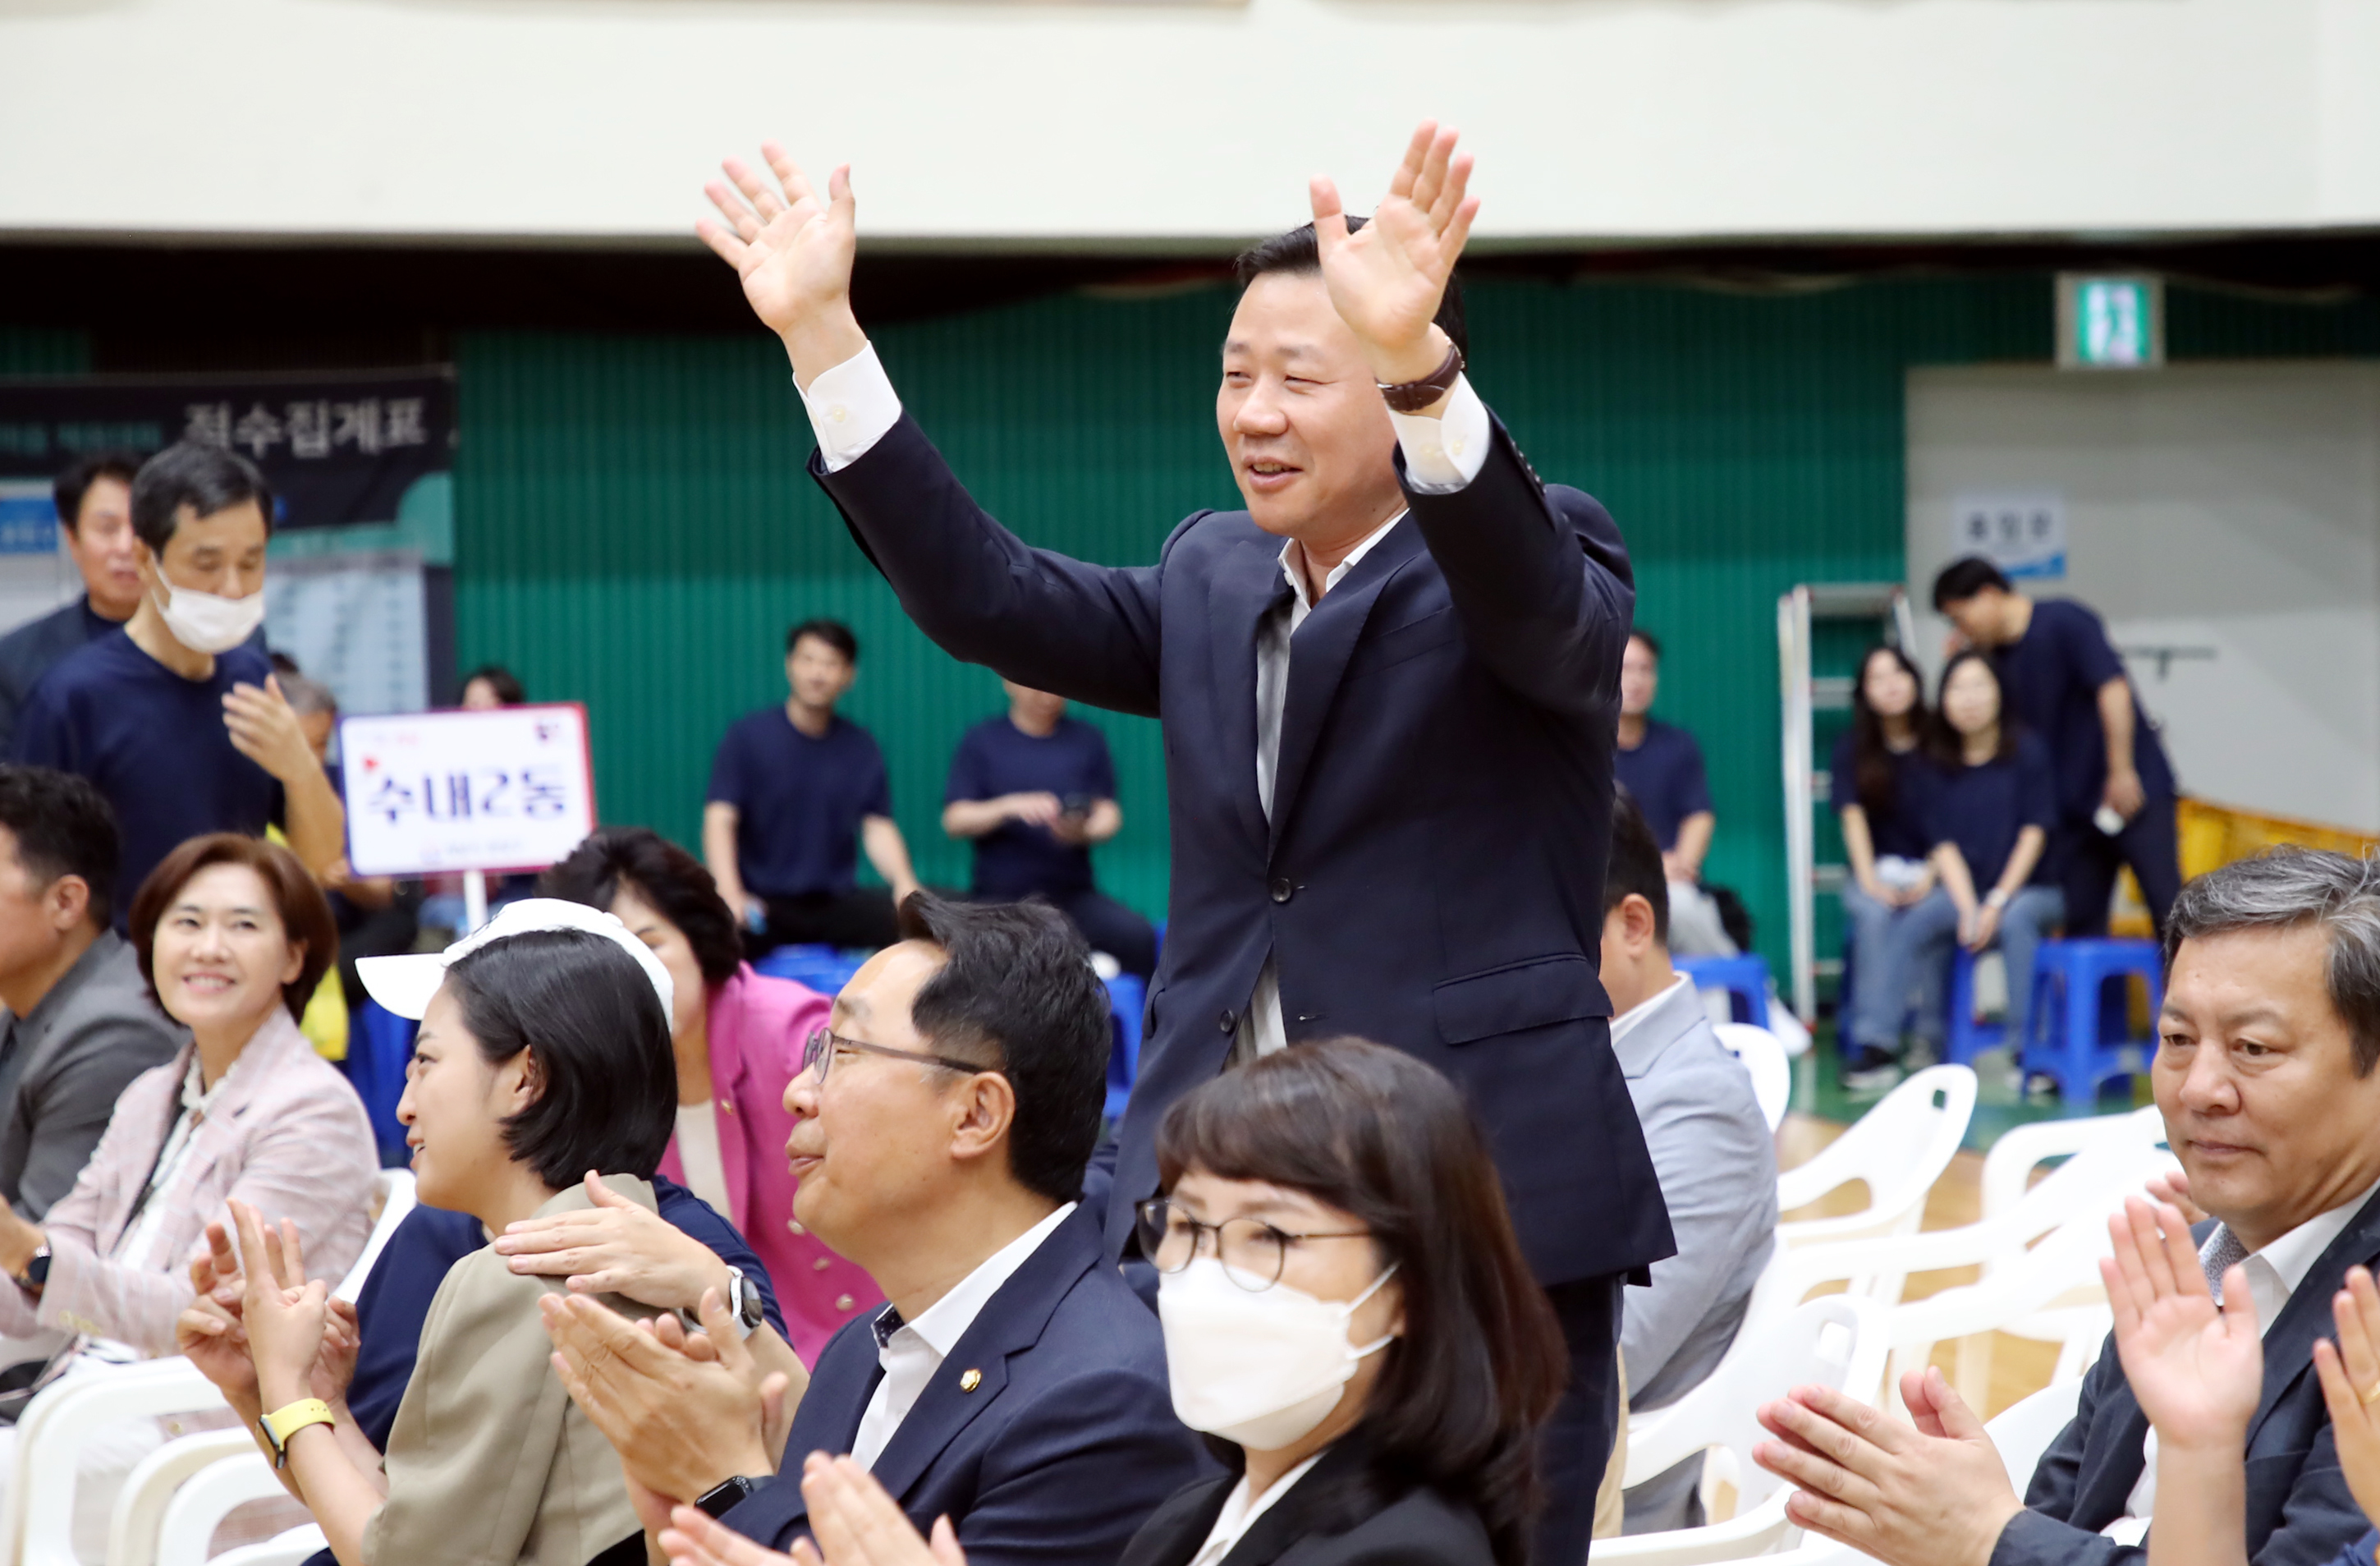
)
(1711, 1149)
(80, 1025)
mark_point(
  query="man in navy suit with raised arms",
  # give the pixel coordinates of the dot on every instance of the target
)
(1390, 688)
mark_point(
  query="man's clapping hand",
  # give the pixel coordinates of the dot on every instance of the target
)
(1386, 280)
(853, 1522)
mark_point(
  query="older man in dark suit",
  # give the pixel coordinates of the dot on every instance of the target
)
(2267, 1074)
(1389, 687)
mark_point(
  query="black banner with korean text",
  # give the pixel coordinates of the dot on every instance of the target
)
(337, 448)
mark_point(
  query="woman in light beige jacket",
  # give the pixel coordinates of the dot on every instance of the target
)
(544, 1054)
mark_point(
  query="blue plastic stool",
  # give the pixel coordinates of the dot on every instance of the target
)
(1966, 1038)
(822, 968)
(2079, 1037)
(1745, 979)
(1128, 999)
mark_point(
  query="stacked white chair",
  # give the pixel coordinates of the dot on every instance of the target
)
(37, 1513)
(1897, 1150)
(1835, 1342)
(1763, 1054)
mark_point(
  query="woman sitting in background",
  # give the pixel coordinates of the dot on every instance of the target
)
(738, 1039)
(1888, 849)
(1348, 1317)
(233, 936)
(542, 1054)
(1987, 803)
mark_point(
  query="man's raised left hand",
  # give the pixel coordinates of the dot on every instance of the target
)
(1386, 279)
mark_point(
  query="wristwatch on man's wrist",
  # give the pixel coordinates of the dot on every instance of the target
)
(1412, 397)
(36, 1276)
(723, 1498)
(741, 1298)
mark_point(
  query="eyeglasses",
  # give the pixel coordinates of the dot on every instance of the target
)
(819, 1049)
(1251, 1250)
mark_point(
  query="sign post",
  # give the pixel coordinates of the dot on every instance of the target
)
(436, 793)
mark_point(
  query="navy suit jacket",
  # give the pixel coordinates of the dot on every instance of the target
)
(1047, 1437)
(1431, 875)
(2300, 1512)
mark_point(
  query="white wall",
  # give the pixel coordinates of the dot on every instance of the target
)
(2233, 508)
(1117, 120)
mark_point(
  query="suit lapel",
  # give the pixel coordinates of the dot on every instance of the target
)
(1319, 655)
(2307, 1315)
(1248, 585)
(832, 1407)
(1299, 1514)
(727, 1072)
(974, 1374)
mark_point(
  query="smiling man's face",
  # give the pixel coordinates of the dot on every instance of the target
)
(2256, 1075)
(1301, 417)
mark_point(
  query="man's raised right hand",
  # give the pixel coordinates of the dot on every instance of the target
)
(794, 253)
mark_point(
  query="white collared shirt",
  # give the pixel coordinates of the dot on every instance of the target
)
(1240, 1514)
(197, 1102)
(2273, 1274)
(911, 1351)
(853, 405)
(1626, 1022)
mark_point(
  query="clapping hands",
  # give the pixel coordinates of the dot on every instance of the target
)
(2197, 1369)
(854, 1521)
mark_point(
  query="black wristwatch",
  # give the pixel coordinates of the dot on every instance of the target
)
(744, 1301)
(36, 1276)
(719, 1500)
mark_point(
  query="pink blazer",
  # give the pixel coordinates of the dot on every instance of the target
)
(757, 1028)
(289, 1134)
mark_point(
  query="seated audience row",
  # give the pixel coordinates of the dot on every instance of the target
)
(2265, 1077)
(1975, 798)
(798, 792)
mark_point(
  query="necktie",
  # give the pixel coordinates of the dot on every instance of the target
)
(2225, 1253)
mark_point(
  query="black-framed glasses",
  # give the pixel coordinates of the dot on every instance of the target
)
(1251, 1250)
(819, 1051)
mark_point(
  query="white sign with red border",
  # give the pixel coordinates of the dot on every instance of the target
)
(429, 793)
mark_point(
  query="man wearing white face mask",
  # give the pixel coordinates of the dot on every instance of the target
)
(176, 718)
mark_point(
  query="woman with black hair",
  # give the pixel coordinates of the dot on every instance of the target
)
(540, 1057)
(1348, 1319)
(1886, 846)
(738, 1038)
(1988, 803)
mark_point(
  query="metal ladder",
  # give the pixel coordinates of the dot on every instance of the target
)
(1806, 788)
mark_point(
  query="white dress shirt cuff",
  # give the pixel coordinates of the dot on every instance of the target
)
(851, 407)
(1442, 455)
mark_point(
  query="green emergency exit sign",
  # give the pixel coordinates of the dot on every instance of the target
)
(2110, 322)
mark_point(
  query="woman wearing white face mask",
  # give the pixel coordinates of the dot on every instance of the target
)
(1348, 1317)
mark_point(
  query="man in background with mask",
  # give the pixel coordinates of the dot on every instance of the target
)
(177, 723)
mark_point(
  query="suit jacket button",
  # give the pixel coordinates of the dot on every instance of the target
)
(842, 1301)
(1282, 892)
(1227, 1022)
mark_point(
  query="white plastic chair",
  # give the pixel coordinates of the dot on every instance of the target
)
(1833, 1342)
(38, 1511)
(292, 1548)
(1763, 1054)
(1897, 1150)
(140, 1505)
(207, 1498)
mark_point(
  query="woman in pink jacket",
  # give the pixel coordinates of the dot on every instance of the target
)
(738, 1039)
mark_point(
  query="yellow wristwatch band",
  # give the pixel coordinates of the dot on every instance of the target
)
(283, 1422)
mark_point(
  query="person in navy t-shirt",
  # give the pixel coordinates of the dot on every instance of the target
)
(177, 718)
(2066, 684)
(1036, 789)
(1661, 768)
(1889, 853)
(796, 794)
(1988, 805)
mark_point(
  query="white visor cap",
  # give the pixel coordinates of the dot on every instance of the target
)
(404, 985)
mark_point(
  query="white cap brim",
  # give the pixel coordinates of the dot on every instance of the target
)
(404, 985)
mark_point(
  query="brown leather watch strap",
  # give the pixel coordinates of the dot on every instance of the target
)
(1412, 397)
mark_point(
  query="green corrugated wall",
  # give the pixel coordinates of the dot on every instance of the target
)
(635, 530)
